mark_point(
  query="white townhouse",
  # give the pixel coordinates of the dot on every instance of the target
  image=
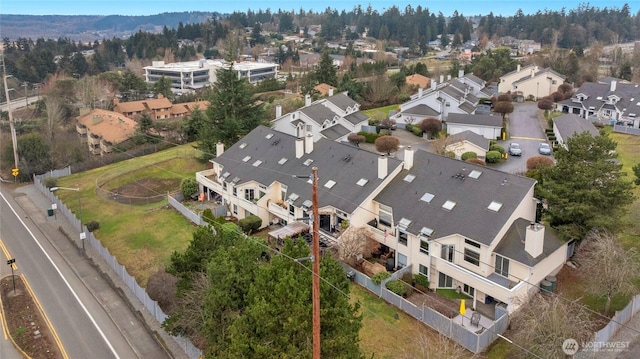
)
(530, 81)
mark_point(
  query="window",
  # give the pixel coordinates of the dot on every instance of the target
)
(249, 194)
(224, 186)
(444, 281)
(283, 192)
(235, 191)
(447, 252)
(402, 237)
(502, 266)
(423, 270)
(472, 257)
(424, 246)
(292, 210)
(472, 243)
(402, 260)
(384, 215)
(469, 289)
(235, 209)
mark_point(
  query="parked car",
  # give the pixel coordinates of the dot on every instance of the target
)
(544, 148)
(515, 149)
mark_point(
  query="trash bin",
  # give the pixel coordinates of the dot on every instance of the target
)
(50, 212)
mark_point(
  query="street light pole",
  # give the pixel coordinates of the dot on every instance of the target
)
(83, 236)
(12, 128)
(316, 266)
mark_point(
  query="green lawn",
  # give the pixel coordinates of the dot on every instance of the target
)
(142, 238)
(384, 111)
(451, 294)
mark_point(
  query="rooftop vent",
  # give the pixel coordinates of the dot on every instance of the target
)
(346, 158)
(448, 205)
(275, 143)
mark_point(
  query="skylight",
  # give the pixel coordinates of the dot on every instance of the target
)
(409, 178)
(426, 231)
(494, 206)
(224, 176)
(448, 205)
(427, 197)
(308, 162)
(404, 223)
(362, 182)
(236, 180)
(282, 160)
(246, 159)
(243, 145)
(293, 197)
(330, 183)
(257, 163)
(306, 205)
(268, 136)
(475, 174)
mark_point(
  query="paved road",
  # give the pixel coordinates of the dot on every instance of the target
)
(91, 319)
(524, 126)
(17, 103)
(7, 349)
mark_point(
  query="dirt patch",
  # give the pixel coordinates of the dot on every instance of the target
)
(25, 323)
(149, 187)
(440, 304)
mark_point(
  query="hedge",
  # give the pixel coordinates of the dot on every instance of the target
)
(497, 148)
(379, 277)
(467, 155)
(397, 287)
(250, 224)
(369, 137)
(493, 157)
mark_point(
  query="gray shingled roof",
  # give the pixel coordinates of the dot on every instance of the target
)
(512, 244)
(470, 217)
(318, 113)
(335, 132)
(342, 163)
(421, 110)
(342, 101)
(478, 120)
(474, 78)
(472, 137)
(356, 117)
(467, 107)
(570, 124)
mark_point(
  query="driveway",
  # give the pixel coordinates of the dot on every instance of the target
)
(524, 126)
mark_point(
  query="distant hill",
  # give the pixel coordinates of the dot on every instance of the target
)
(92, 27)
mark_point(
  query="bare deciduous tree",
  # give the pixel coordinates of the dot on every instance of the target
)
(352, 244)
(356, 139)
(161, 287)
(435, 346)
(608, 268)
(387, 144)
(192, 318)
(545, 322)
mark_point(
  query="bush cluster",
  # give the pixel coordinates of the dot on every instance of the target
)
(493, 157)
(468, 155)
(497, 148)
(379, 277)
(250, 224)
(369, 137)
(416, 130)
(397, 287)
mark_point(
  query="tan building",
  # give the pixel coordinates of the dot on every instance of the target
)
(530, 82)
(103, 129)
(158, 108)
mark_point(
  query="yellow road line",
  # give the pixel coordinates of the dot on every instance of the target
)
(7, 254)
(46, 319)
(5, 330)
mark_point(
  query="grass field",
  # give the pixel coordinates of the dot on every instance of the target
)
(382, 110)
(141, 237)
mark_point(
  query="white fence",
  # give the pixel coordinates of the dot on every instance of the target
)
(618, 320)
(473, 339)
(150, 304)
(626, 129)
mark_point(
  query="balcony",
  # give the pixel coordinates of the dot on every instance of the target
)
(208, 179)
(277, 208)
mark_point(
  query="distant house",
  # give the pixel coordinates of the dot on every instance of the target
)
(418, 80)
(102, 129)
(568, 125)
(333, 118)
(530, 81)
(487, 126)
(158, 109)
(467, 141)
(605, 101)
(325, 89)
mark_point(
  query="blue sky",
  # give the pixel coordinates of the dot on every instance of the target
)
(151, 7)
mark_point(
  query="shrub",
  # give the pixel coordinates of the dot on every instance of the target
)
(476, 161)
(408, 290)
(497, 148)
(356, 139)
(379, 277)
(407, 278)
(188, 187)
(468, 155)
(417, 131)
(431, 126)
(92, 226)
(536, 162)
(419, 279)
(369, 137)
(250, 224)
(396, 287)
(493, 157)
(50, 182)
(450, 154)
(387, 144)
(161, 287)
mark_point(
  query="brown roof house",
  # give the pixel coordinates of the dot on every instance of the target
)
(325, 89)
(158, 108)
(104, 129)
(418, 80)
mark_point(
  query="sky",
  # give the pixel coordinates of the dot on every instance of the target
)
(152, 7)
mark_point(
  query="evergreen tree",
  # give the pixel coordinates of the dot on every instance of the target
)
(232, 111)
(326, 72)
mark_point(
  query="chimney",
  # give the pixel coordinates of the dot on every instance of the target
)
(308, 143)
(518, 68)
(330, 91)
(441, 78)
(420, 92)
(408, 158)
(278, 111)
(219, 149)
(433, 84)
(299, 147)
(448, 77)
(534, 239)
(460, 74)
(613, 85)
(307, 100)
(533, 73)
(383, 163)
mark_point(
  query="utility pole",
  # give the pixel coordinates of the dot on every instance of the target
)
(12, 128)
(316, 266)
